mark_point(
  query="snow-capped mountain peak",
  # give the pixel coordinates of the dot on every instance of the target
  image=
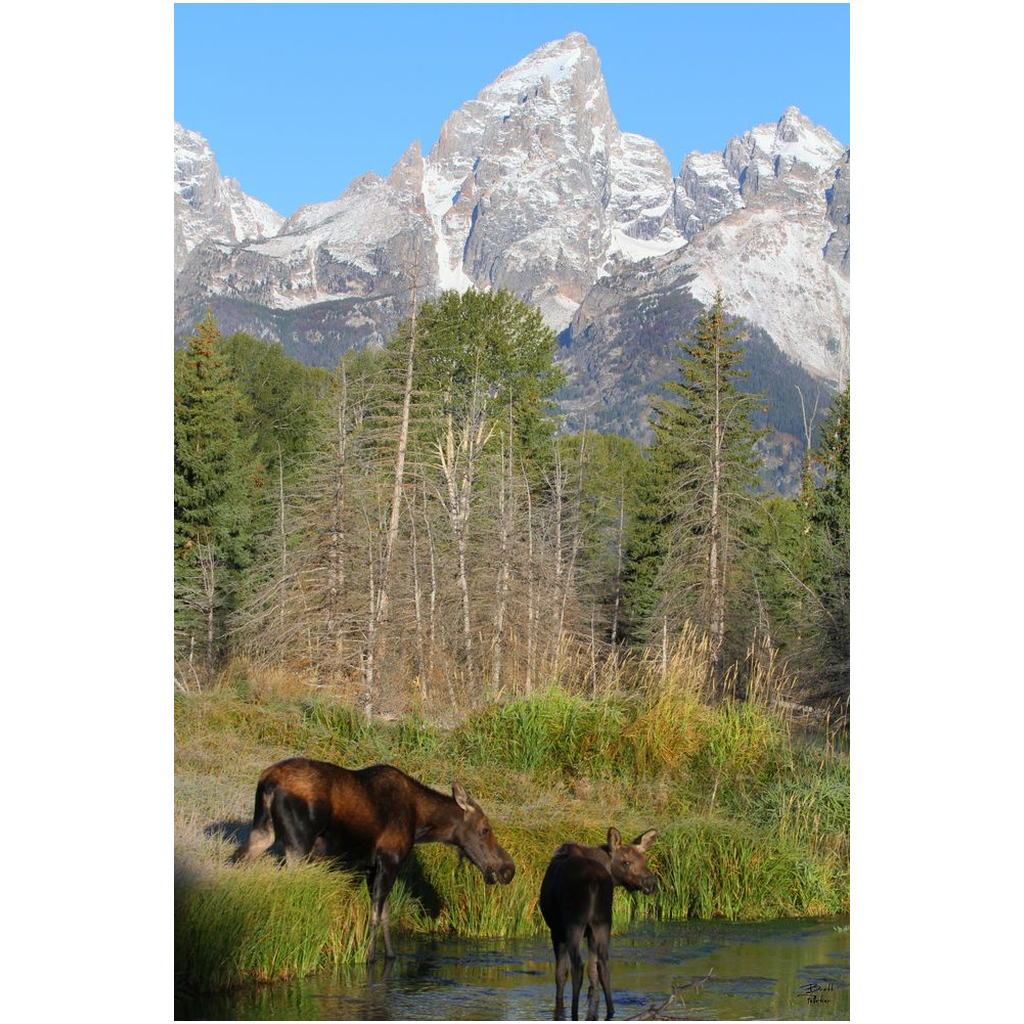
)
(532, 186)
(208, 207)
(555, 63)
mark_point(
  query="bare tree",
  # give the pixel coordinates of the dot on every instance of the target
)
(505, 516)
(336, 561)
(458, 454)
(530, 584)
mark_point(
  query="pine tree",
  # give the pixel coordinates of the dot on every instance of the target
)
(828, 513)
(214, 480)
(697, 520)
(284, 399)
(646, 545)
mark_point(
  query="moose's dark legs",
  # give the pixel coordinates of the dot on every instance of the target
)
(598, 939)
(573, 939)
(389, 951)
(599, 957)
(569, 955)
(294, 825)
(379, 880)
(593, 990)
(561, 974)
(598, 973)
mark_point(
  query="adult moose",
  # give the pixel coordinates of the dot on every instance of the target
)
(576, 900)
(369, 818)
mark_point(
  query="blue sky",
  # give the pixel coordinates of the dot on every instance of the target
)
(298, 99)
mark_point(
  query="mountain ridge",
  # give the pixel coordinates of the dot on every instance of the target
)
(533, 186)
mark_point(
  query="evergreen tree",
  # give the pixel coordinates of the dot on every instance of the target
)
(215, 476)
(691, 545)
(782, 569)
(285, 399)
(614, 468)
(828, 512)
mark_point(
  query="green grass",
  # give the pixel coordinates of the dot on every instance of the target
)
(261, 923)
(750, 824)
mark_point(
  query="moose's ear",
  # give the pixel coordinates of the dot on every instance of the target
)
(614, 839)
(644, 841)
(461, 796)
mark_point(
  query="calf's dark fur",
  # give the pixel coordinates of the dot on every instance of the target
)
(576, 901)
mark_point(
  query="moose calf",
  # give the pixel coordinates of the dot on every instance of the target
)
(576, 900)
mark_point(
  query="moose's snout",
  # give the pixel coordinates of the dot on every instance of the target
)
(649, 884)
(504, 873)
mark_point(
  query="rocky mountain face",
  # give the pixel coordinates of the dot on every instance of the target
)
(533, 187)
(767, 221)
(764, 220)
(208, 207)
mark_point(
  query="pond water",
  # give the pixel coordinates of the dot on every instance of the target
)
(774, 970)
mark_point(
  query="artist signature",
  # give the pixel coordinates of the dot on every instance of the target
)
(817, 992)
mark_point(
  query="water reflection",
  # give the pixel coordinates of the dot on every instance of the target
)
(778, 970)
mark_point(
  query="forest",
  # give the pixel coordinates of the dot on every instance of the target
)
(412, 561)
(417, 531)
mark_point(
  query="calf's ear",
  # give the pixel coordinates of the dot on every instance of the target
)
(614, 839)
(461, 796)
(644, 840)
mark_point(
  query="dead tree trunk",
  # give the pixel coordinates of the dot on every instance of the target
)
(558, 492)
(417, 598)
(369, 657)
(403, 444)
(284, 538)
(336, 570)
(432, 605)
(530, 610)
(379, 604)
(458, 452)
(505, 516)
(577, 533)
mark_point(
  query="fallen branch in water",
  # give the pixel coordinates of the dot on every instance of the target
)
(656, 1012)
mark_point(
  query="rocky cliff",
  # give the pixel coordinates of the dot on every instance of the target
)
(208, 207)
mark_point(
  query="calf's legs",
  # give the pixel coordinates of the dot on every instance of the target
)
(573, 939)
(599, 954)
(561, 974)
(593, 991)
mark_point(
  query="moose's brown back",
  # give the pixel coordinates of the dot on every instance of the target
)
(358, 811)
(370, 818)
